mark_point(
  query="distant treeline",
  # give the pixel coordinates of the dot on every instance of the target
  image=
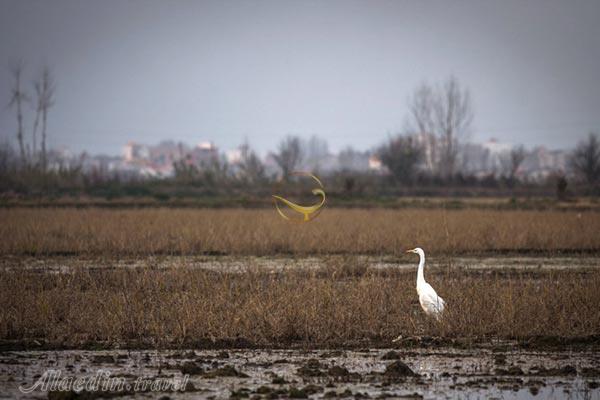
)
(248, 183)
(227, 188)
(427, 159)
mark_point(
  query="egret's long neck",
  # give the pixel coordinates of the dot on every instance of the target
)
(420, 277)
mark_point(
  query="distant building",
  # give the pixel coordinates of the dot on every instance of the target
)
(481, 159)
(209, 146)
(135, 152)
(375, 163)
(204, 154)
(540, 163)
(234, 156)
(353, 160)
(159, 160)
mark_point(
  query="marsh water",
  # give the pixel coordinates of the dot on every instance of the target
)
(482, 373)
(53, 264)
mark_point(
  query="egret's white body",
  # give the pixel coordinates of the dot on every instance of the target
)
(432, 304)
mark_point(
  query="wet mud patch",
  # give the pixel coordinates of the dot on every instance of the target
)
(271, 374)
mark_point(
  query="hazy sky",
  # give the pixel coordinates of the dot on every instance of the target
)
(229, 70)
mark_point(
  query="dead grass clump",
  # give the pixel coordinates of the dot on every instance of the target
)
(177, 306)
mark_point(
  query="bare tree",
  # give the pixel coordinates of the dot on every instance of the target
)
(289, 155)
(421, 111)
(452, 115)
(8, 159)
(251, 167)
(512, 162)
(18, 97)
(401, 155)
(38, 110)
(585, 159)
(44, 88)
(442, 116)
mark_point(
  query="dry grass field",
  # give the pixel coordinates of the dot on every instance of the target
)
(68, 231)
(341, 304)
(253, 306)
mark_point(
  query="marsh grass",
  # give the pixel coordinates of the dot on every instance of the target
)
(263, 232)
(337, 305)
(340, 303)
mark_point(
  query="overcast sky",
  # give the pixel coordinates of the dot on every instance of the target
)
(228, 70)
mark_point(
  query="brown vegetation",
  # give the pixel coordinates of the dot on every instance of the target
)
(341, 304)
(263, 232)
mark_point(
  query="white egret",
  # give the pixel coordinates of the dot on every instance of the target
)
(432, 304)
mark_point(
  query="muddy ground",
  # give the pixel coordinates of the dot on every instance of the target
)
(489, 372)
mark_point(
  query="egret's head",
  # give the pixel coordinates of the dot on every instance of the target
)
(417, 250)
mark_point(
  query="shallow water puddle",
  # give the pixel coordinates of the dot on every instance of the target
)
(420, 373)
(58, 264)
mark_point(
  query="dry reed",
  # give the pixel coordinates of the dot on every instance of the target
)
(262, 232)
(333, 306)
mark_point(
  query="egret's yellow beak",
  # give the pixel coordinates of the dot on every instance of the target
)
(410, 251)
